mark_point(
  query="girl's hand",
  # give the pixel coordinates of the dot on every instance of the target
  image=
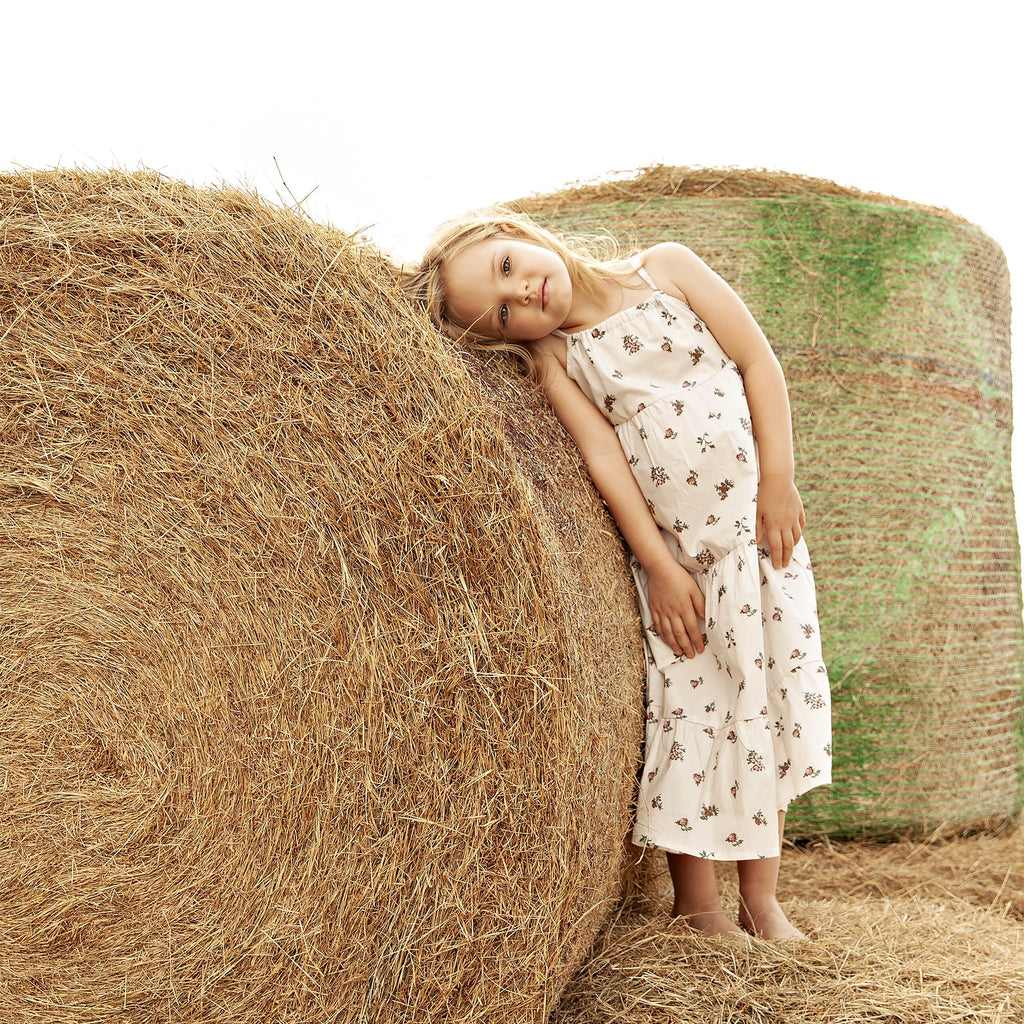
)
(780, 518)
(677, 608)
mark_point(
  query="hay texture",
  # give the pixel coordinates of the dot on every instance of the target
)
(892, 324)
(311, 653)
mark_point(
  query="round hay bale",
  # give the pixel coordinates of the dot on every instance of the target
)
(313, 646)
(892, 323)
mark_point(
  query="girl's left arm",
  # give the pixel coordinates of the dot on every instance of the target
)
(780, 512)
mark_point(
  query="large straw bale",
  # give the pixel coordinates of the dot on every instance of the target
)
(892, 323)
(320, 670)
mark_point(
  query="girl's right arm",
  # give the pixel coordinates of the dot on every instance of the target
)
(675, 600)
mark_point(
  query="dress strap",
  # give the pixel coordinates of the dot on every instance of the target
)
(637, 263)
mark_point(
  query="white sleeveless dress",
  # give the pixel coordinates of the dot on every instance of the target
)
(737, 732)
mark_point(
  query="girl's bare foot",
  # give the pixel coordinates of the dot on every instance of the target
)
(696, 898)
(710, 923)
(768, 922)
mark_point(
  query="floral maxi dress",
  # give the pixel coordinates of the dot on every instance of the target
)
(737, 732)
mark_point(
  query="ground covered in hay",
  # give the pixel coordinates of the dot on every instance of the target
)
(908, 932)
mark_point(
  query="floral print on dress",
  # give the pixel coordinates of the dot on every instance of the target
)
(737, 732)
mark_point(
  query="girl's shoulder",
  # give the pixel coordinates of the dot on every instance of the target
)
(553, 347)
(671, 266)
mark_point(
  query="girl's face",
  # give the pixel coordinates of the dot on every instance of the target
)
(507, 288)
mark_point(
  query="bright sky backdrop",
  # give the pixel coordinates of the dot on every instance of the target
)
(396, 115)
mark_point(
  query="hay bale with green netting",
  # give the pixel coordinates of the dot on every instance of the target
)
(310, 657)
(892, 324)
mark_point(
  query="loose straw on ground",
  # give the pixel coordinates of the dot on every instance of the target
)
(909, 932)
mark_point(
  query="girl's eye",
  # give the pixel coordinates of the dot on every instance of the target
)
(506, 266)
(503, 314)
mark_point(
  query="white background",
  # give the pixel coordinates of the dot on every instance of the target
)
(396, 115)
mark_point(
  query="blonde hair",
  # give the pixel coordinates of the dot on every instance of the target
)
(590, 260)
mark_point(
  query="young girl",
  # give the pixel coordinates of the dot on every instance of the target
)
(679, 407)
